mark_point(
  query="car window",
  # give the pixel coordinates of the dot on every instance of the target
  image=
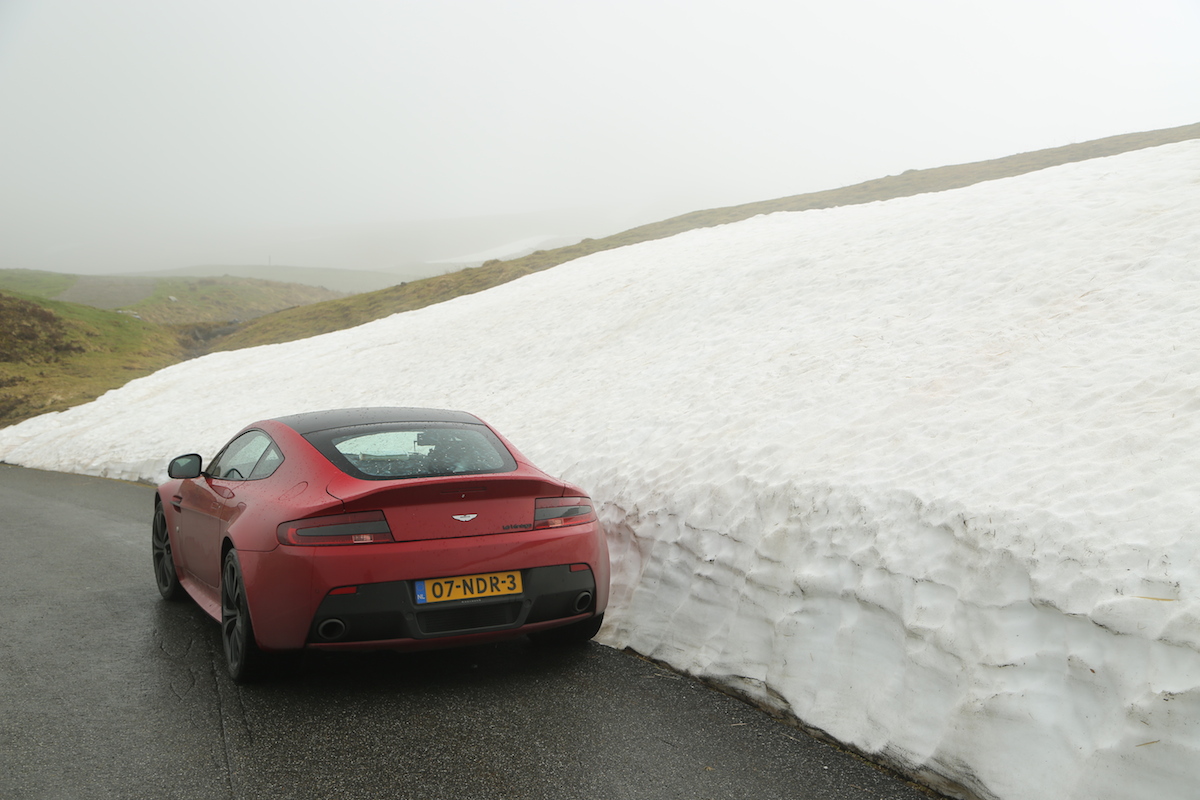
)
(266, 465)
(414, 450)
(238, 460)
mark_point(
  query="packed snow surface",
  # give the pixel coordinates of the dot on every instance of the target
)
(922, 473)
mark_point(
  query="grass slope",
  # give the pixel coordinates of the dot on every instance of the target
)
(54, 355)
(177, 301)
(300, 323)
(168, 300)
(35, 283)
(174, 301)
(343, 281)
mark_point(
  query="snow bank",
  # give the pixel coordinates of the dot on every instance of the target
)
(922, 473)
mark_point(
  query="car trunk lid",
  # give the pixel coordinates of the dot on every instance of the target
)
(441, 508)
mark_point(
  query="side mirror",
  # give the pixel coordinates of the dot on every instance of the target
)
(185, 466)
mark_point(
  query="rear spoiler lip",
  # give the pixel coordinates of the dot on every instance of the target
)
(349, 489)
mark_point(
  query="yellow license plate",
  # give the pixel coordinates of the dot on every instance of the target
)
(464, 587)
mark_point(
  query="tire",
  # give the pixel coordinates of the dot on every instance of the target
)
(575, 633)
(164, 564)
(243, 659)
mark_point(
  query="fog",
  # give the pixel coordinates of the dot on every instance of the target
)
(142, 135)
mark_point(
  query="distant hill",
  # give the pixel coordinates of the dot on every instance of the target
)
(509, 251)
(168, 301)
(321, 318)
(56, 354)
(344, 281)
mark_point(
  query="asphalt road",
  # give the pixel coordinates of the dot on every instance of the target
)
(106, 691)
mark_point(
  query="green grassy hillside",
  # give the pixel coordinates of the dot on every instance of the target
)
(343, 281)
(55, 355)
(176, 301)
(167, 300)
(46, 285)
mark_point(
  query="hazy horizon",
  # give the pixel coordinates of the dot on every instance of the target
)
(142, 135)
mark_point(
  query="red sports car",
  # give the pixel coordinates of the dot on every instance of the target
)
(359, 528)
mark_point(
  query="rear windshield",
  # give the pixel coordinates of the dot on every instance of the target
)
(413, 450)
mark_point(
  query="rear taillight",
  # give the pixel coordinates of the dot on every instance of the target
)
(557, 512)
(363, 527)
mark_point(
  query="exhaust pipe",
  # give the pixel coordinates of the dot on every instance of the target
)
(331, 629)
(583, 602)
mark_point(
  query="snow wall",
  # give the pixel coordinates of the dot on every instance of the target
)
(921, 473)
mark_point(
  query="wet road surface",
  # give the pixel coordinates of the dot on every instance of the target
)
(106, 691)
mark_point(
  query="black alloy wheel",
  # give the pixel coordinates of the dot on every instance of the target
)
(242, 656)
(164, 565)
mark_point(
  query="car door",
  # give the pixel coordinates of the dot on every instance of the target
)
(199, 513)
(208, 502)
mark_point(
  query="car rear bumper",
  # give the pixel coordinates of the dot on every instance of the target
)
(379, 612)
(291, 607)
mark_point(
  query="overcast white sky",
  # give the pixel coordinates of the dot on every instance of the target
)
(145, 134)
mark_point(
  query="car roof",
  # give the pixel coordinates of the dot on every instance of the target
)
(312, 421)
